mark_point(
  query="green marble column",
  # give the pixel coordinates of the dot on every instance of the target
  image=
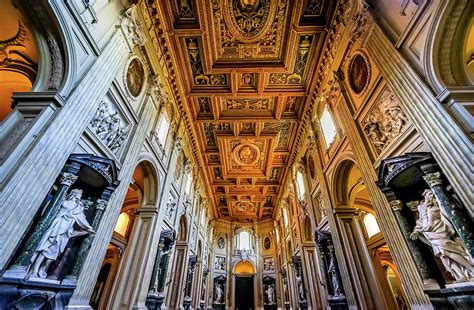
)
(67, 178)
(81, 255)
(456, 213)
(417, 253)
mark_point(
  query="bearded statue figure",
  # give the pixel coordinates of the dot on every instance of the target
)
(434, 229)
(56, 237)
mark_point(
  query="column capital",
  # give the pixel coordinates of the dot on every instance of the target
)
(433, 178)
(396, 205)
(67, 178)
(101, 204)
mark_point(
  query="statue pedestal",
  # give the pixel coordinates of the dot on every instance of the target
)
(337, 303)
(34, 293)
(454, 296)
(270, 307)
(218, 306)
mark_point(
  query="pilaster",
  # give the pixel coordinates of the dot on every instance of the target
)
(449, 144)
(400, 252)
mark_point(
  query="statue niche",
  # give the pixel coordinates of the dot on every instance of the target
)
(51, 257)
(269, 290)
(332, 278)
(219, 292)
(437, 228)
(434, 228)
(56, 237)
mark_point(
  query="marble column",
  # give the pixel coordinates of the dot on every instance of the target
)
(427, 273)
(81, 255)
(66, 179)
(456, 213)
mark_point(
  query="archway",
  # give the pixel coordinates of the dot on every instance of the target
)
(126, 238)
(357, 221)
(244, 285)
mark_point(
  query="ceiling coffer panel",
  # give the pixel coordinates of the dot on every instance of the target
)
(246, 68)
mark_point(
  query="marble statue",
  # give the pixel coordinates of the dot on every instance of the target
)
(433, 228)
(56, 237)
(270, 292)
(219, 293)
(299, 281)
(334, 280)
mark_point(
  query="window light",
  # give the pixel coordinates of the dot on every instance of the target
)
(328, 127)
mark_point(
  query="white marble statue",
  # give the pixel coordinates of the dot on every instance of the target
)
(270, 294)
(56, 237)
(434, 229)
(219, 293)
(333, 274)
(299, 281)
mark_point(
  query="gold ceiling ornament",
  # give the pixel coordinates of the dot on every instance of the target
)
(249, 20)
(246, 154)
(247, 104)
(245, 207)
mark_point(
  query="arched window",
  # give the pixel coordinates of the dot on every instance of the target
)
(122, 224)
(300, 185)
(371, 225)
(285, 217)
(243, 240)
(189, 183)
(327, 127)
(162, 129)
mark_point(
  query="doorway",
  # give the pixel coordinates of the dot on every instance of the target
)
(244, 292)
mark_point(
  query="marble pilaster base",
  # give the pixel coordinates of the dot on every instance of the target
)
(154, 301)
(33, 294)
(456, 296)
(337, 303)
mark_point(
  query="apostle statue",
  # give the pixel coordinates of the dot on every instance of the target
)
(219, 294)
(270, 292)
(334, 280)
(433, 228)
(56, 237)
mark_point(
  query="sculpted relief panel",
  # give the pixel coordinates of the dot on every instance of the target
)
(385, 121)
(110, 126)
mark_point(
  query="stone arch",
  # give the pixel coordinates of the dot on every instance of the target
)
(339, 180)
(199, 249)
(183, 228)
(308, 230)
(244, 267)
(150, 181)
(447, 51)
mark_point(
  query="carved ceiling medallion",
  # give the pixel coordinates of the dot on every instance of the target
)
(248, 20)
(246, 154)
(245, 207)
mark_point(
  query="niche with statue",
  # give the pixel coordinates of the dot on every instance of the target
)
(437, 227)
(270, 295)
(335, 291)
(45, 269)
(218, 299)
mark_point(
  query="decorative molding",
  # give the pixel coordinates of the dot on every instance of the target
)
(132, 27)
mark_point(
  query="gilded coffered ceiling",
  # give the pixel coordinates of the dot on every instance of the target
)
(244, 69)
